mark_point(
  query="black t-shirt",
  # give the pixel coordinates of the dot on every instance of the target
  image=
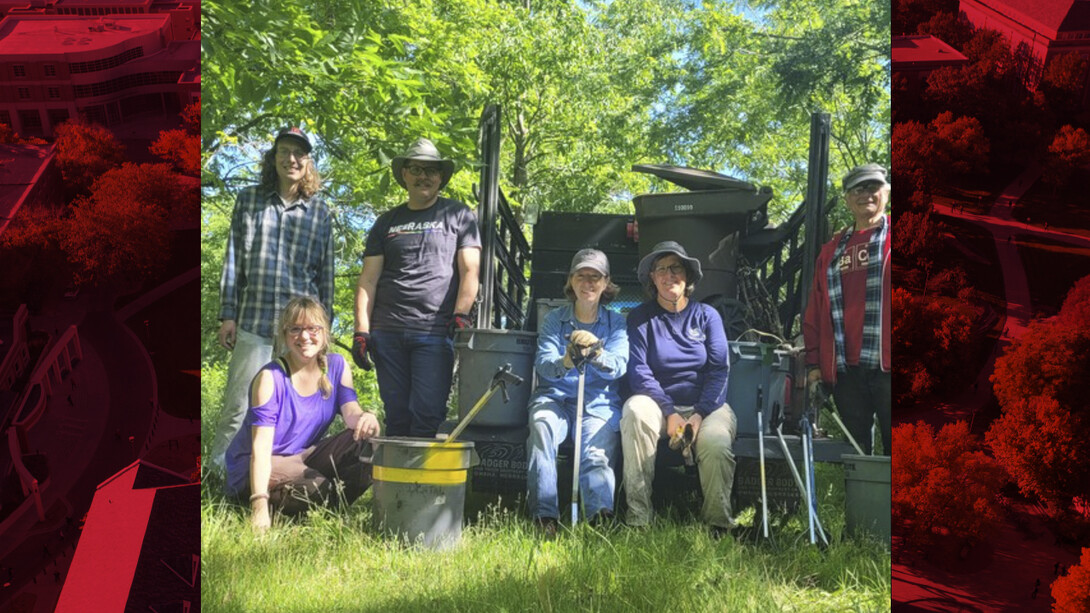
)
(419, 281)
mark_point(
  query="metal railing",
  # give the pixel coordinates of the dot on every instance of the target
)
(504, 292)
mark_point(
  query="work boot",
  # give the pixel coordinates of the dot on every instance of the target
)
(547, 527)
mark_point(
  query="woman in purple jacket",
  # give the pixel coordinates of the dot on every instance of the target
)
(279, 458)
(677, 371)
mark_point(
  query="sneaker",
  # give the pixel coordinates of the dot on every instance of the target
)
(547, 526)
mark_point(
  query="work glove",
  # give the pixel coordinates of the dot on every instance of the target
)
(460, 321)
(361, 342)
(817, 394)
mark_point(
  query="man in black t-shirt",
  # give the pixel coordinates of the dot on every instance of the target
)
(418, 284)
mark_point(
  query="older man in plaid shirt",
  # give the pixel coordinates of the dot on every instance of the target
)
(847, 323)
(281, 246)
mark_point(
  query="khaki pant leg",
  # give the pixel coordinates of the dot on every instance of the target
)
(251, 352)
(641, 425)
(715, 460)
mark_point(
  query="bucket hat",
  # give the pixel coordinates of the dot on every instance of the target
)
(663, 248)
(295, 134)
(590, 258)
(423, 150)
(864, 173)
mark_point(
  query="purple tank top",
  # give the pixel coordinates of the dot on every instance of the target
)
(298, 421)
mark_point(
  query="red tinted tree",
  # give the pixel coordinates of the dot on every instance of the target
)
(1041, 444)
(1069, 151)
(960, 145)
(181, 149)
(907, 15)
(943, 485)
(947, 147)
(28, 246)
(934, 344)
(947, 27)
(1072, 591)
(1076, 306)
(916, 238)
(1048, 360)
(191, 118)
(1042, 384)
(1063, 81)
(85, 151)
(913, 149)
(120, 233)
(155, 184)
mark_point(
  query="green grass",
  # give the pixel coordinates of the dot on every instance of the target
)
(335, 561)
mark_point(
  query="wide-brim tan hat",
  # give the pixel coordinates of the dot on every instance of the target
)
(423, 150)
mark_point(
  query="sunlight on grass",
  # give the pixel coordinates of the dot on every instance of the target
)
(332, 562)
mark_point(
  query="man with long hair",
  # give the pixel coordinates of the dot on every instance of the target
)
(280, 246)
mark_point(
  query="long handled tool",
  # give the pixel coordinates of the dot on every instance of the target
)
(577, 452)
(818, 399)
(500, 380)
(808, 467)
(761, 451)
(777, 424)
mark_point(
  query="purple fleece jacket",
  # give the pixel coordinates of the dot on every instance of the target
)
(678, 359)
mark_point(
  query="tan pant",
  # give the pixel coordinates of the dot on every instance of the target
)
(642, 424)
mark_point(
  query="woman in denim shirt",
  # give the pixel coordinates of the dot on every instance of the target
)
(568, 334)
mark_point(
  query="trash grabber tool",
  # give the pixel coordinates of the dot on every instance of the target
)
(808, 467)
(577, 451)
(500, 380)
(777, 421)
(761, 451)
(818, 399)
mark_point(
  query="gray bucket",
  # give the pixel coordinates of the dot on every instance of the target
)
(867, 495)
(420, 489)
(480, 353)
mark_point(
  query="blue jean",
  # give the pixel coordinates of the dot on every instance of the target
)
(414, 372)
(550, 423)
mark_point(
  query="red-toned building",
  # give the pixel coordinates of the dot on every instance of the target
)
(1038, 30)
(185, 14)
(916, 56)
(28, 177)
(109, 69)
(14, 355)
(140, 547)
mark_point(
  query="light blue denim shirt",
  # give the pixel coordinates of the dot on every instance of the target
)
(601, 389)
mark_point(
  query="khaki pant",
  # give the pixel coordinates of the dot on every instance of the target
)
(642, 424)
(251, 352)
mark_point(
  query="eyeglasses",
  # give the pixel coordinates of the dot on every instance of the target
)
(674, 269)
(288, 153)
(871, 187)
(592, 278)
(431, 171)
(311, 330)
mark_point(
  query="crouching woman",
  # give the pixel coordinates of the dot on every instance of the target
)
(281, 458)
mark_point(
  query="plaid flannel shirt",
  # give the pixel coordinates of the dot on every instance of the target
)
(870, 354)
(274, 253)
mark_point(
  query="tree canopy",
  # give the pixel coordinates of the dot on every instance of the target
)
(586, 90)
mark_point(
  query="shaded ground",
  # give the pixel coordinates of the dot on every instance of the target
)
(999, 575)
(1064, 210)
(1056, 267)
(172, 338)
